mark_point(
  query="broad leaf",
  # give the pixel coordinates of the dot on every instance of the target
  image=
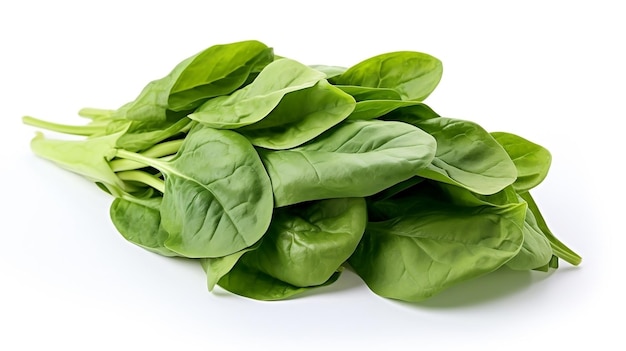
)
(217, 267)
(413, 75)
(252, 103)
(354, 159)
(467, 156)
(218, 197)
(300, 116)
(531, 160)
(377, 108)
(369, 93)
(141, 224)
(216, 71)
(307, 243)
(535, 251)
(249, 282)
(414, 256)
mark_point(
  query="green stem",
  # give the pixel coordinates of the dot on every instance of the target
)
(61, 128)
(564, 253)
(142, 159)
(143, 177)
(164, 149)
(158, 151)
(95, 113)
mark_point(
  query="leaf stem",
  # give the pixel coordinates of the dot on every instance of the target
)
(161, 151)
(142, 159)
(61, 128)
(143, 177)
(95, 113)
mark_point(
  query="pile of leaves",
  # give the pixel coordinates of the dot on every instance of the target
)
(276, 175)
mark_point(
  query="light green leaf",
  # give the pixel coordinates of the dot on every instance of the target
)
(300, 116)
(413, 75)
(252, 103)
(531, 160)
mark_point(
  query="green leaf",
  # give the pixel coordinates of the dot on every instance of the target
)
(329, 71)
(218, 70)
(377, 108)
(536, 251)
(141, 224)
(354, 159)
(436, 245)
(218, 267)
(300, 116)
(531, 160)
(307, 243)
(252, 103)
(413, 75)
(559, 248)
(217, 198)
(467, 156)
(252, 283)
(369, 93)
(142, 135)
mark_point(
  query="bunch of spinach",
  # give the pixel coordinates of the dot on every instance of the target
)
(276, 175)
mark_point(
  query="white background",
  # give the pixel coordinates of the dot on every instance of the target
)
(551, 71)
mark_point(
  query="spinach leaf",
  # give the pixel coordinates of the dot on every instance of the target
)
(559, 248)
(216, 71)
(300, 116)
(353, 159)
(531, 160)
(329, 71)
(217, 198)
(142, 135)
(252, 103)
(416, 255)
(140, 223)
(536, 251)
(369, 93)
(467, 156)
(413, 75)
(249, 282)
(307, 243)
(370, 109)
(217, 267)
